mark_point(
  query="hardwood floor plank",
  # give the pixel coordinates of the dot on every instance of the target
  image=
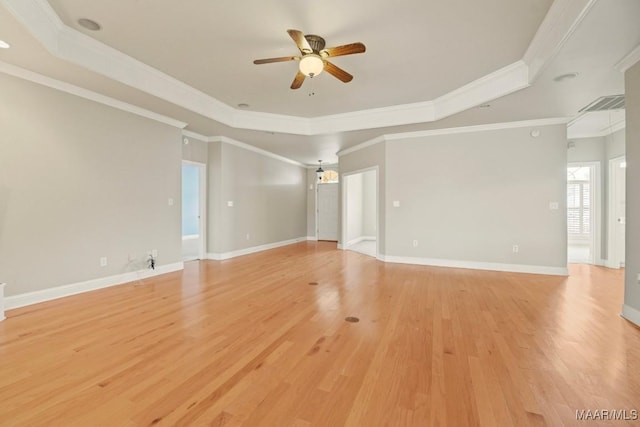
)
(249, 342)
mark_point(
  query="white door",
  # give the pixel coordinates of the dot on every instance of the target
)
(619, 209)
(328, 212)
(193, 235)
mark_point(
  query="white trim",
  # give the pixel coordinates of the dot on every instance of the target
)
(631, 314)
(254, 249)
(195, 135)
(71, 45)
(332, 166)
(629, 60)
(558, 25)
(613, 260)
(502, 82)
(2, 285)
(360, 239)
(477, 265)
(361, 146)
(605, 131)
(202, 203)
(343, 213)
(231, 141)
(456, 130)
(36, 297)
(312, 238)
(40, 79)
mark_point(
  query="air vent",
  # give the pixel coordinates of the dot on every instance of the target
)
(605, 103)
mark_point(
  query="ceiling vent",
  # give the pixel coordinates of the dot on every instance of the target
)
(605, 103)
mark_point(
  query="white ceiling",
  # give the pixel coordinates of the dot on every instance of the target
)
(419, 53)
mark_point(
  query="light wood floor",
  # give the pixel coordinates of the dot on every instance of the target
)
(250, 342)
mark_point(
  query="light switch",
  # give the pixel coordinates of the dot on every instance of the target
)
(230, 203)
(396, 203)
(554, 206)
(170, 201)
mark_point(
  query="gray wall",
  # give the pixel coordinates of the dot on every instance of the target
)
(615, 144)
(269, 199)
(195, 150)
(472, 196)
(587, 150)
(79, 181)
(632, 250)
(369, 203)
(368, 157)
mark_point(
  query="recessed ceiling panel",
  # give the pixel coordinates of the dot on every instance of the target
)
(417, 50)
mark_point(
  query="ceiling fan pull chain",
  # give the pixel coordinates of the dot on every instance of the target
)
(312, 92)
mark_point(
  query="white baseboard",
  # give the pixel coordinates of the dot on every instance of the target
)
(610, 264)
(35, 297)
(254, 249)
(477, 265)
(631, 314)
(2, 301)
(360, 239)
(312, 238)
(340, 246)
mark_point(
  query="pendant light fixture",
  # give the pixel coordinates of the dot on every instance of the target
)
(319, 171)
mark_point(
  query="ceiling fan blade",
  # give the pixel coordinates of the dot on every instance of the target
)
(337, 72)
(301, 42)
(297, 81)
(347, 49)
(280, 59)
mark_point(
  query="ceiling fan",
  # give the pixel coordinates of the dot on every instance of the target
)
(314, 57)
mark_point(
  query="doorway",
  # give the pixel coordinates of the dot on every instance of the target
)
(327, 205)
(617, 209)
(360, 212)
(583, 213)
(193, 210)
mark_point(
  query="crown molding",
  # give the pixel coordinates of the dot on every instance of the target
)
(71, 45)
(562, 19)
(21, 73)
(606, 131)
(231, 141)
(456, 130)
(501, 82)
(194, 135)
(629, 60)
(362, 146)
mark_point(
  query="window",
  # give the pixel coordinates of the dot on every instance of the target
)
(329, 176)
(578, 201)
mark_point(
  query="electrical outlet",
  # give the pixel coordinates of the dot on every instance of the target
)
(248, 236)
(415, 243)
(638, 278)
(230, 203)
(516, 249)
(103, 261)
(170, 201)
(154, 253)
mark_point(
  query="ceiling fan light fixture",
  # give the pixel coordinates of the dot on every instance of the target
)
(311, 65)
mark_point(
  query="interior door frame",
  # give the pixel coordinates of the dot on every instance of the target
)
(202, 204)
(343, 208)
(596, 210)
(318, 184)
(611, 206)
